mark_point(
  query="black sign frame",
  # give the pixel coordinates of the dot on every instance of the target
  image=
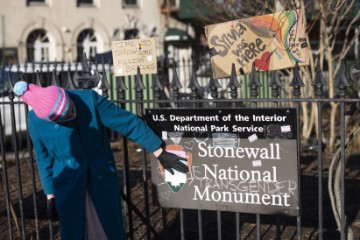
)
(240, 160)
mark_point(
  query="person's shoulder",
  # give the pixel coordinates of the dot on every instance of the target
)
(33, 119)
(80, 92)
(31, 114)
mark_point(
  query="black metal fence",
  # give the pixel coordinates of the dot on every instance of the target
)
(23, 204)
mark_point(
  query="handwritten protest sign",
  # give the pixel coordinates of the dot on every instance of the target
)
(270, 42)
(128, 55)
(241, 160)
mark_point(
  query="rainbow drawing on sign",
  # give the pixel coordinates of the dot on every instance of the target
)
(269, 42)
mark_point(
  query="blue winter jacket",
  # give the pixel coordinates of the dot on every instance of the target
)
(74, 157)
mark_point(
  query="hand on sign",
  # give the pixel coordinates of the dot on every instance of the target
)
(171, 161)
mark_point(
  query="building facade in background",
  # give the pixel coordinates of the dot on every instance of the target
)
(54, 30)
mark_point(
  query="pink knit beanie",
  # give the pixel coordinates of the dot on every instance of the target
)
(50, 103)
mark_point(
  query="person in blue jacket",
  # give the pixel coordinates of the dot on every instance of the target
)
(75, 161)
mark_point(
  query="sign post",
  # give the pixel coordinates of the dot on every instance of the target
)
(241, 160)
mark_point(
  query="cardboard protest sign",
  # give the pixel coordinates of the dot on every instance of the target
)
(270, 42)
(128, 55)
(241, 160)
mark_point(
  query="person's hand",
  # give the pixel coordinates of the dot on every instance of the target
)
(51, 210)
(171, 161)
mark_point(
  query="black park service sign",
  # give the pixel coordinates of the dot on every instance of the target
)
(241, 160)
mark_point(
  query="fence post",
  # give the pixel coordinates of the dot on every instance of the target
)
(4, 177)
(254, 84)
(139, 88)
(318, 84)
(214, 86)
(121, 88)
(17, 160)
(341, 83)
(234, 84)
(275, 86)
(297, 83)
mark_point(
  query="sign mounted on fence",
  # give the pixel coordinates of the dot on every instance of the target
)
(128, 55)
(270, 42)
(241, 160)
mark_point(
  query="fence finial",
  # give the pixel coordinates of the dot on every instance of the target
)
(194, 86)
(104, 86)
(233, 84)
(120, 87)
(296, 83)
(71, 84)
(120, 83)
(275, 84)
(193, 83)
(254, 83)
(319, 81)
(175, 83)
(139, 86)
(86, 79)
(213, 86)
(157, 86)
(341, 82)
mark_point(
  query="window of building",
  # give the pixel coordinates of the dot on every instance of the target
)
(37, 46)
(36, 2)
(131, 33)
(85, 2)
(8, 56)
(87, 42)
(130, 3)
(170, 3)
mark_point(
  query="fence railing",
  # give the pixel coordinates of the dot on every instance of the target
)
(22, 202)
